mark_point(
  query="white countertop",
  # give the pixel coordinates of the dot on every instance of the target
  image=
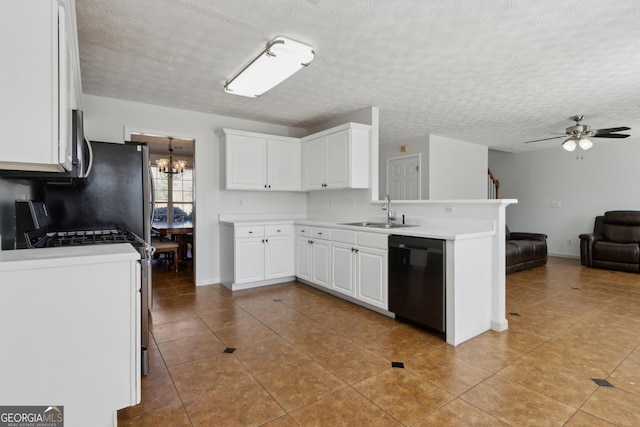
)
(22, 259)
(445, 230)
(457, 230)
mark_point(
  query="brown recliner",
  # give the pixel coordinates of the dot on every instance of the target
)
(524, 250)
(614, 243)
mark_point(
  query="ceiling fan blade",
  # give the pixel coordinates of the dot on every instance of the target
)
(610, 135)
(546, 139)
(601, 131)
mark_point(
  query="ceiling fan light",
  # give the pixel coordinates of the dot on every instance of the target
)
(585, 143)
(569, 144)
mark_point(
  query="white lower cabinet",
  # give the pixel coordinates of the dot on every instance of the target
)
(303, 258)
(70, 328)
(249, 259)
(320, 250)
(360, 271)
(371, 276)
(262, 254)
(344, 268)
(352, 263)
(278, 256)
(313, 252)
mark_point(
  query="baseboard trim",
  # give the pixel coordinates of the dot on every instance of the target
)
(559, 255)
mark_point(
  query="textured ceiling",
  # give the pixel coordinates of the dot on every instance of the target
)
(493, 72)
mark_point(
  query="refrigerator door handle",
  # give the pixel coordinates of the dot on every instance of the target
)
(153, 197)
(90, 152)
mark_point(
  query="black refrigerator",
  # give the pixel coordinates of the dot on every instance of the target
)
(116, 195)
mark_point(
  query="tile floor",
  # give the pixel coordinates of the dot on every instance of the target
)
(305, 358)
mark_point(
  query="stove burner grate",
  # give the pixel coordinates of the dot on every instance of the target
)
(89, 237)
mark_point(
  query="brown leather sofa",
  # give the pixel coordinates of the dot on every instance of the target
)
(614, 243)
(524, 250)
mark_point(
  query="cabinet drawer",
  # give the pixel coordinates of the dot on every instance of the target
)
(343, 236)
(322, 233)
(278, 230)
(249, 231)
(372, 240)
(303, 230)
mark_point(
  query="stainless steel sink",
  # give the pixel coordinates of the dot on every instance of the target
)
(379, 224)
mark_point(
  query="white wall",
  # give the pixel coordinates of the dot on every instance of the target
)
(457, 169)
(105, 120)
(606, 178)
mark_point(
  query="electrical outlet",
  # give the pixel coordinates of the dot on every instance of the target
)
(240, 202)
(449, 210)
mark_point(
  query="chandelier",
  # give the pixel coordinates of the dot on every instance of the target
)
(170, 167)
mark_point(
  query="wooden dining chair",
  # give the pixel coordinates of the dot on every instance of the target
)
(168, 247)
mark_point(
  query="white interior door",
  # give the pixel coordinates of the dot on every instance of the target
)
(403, 177)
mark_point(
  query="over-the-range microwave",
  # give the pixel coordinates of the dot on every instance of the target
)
(81, 163)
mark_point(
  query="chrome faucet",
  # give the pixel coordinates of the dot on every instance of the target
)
(386, 206)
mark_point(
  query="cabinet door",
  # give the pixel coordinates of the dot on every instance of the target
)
(372, 267)
(29, 85)
(343, 273)
(338, 160)
(65, 87)
(278, 256)
(249, 260)
(284, 165)
(246, 162)
(303, 258)
(321, 262)
(314, 163)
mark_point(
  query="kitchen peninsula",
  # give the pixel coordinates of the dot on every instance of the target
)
(472, 306)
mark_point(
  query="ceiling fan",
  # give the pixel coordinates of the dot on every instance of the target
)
(576, 136)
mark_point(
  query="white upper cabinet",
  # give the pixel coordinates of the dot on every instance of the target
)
(40, 83)
(262, 162)
(334, 158)
(246, 162)
(284, 165)
(337, 158)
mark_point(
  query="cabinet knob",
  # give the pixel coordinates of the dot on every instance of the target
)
(266, 240)
(269, 185)
(265, 186)
(319, 234)
(251, 232)
(278, 231)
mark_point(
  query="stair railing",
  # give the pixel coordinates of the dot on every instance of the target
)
(493, 186)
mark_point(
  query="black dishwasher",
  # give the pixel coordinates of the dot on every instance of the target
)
(417, 280)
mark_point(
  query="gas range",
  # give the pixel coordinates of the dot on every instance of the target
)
(42, 239)
(89, 237)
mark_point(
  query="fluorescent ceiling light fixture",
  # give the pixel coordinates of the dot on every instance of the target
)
(281, 59)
